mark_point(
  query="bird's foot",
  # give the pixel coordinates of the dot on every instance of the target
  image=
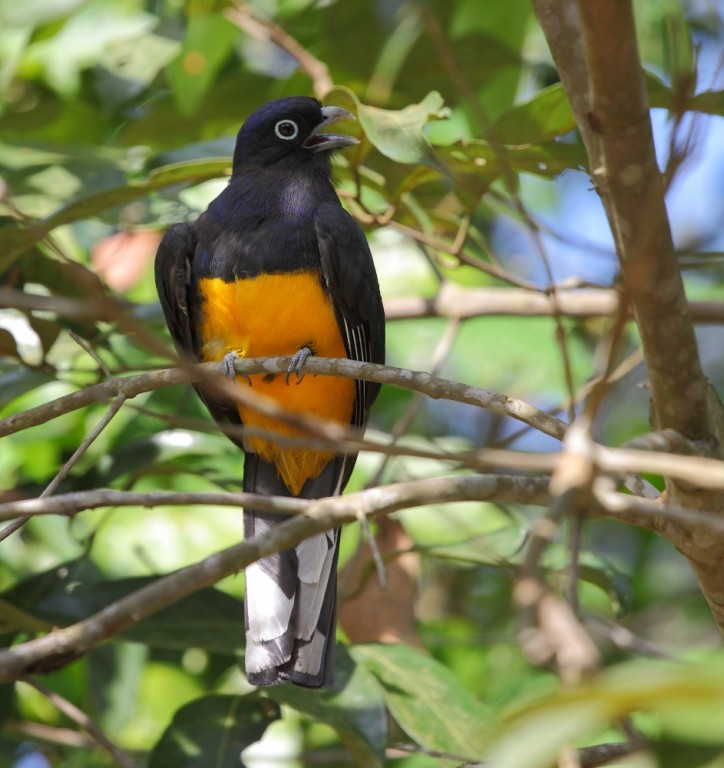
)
(297, 364)
(229, 365)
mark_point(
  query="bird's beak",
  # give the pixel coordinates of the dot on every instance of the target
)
(319, 142)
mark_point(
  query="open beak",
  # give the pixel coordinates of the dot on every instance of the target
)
(319, 142)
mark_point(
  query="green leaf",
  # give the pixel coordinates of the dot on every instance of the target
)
(497, 548)
(207, 44)
(662, 96)
(709, 102)
(480, 158)
(211, 732)
(399, 134)
(686, 701)
(354, 707)
(83, 40)
(546, 116)
(16, 381)
(425, 698)
(676, 754)
(208, 619)
(15, 240)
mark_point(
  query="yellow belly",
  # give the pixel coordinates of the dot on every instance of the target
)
(271, 315)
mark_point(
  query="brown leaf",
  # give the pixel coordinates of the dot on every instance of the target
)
(8, 347)
(371, 613)
(121, 259)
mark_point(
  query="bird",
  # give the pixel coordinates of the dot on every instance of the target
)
(275, 266)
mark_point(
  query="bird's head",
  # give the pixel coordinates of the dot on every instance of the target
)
(288, 129)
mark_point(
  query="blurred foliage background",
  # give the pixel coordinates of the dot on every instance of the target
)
(118, 118)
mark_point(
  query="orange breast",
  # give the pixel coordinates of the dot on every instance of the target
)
(271, 315)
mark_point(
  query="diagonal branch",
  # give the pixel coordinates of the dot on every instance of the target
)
(64, 645)
(77, 715)
(261, 27)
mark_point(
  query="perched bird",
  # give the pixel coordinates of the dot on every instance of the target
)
(276, 266)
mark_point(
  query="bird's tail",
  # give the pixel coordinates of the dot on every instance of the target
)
(291, 596)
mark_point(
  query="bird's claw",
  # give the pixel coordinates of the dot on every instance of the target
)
(297, 363)
(229, 365)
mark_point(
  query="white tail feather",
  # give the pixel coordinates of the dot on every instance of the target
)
(269, 609)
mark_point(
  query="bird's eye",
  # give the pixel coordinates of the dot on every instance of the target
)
(286, 130)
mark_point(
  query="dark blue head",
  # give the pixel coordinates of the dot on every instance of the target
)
(287, 130)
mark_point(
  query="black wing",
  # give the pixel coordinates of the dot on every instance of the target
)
(173, 284)
(180, 305)
(349, 273)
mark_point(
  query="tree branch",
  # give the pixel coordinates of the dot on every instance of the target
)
(63, 645)
(628, 178)
(259, 26)
(70, 504)
(595, 49)
(456, 301)
(418, 381)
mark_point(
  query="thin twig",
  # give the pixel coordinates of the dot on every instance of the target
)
(254, 23)
(439, 356)
(549, 626)
(86, 723)
(72, 461)
(91, 353)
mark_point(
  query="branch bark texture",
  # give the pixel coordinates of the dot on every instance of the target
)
(595, 49)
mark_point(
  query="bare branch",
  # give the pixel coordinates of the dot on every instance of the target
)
(550, 626)
(628, 177)
(259, 26)
(419, 381)
(456, 301)
(80, 501)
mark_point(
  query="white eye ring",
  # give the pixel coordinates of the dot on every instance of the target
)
(285, 124)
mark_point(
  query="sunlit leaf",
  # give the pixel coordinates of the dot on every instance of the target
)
(426, 699)
(354, 707)
(83, 39)
(211, 732)
(207, 44)
(16, 240)
(33, 12)
(544, 117)
(208, 619)
(400, 133)
(685, 700)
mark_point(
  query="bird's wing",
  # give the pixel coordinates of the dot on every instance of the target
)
(349, 273)
(173, 283)
(173, 269)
